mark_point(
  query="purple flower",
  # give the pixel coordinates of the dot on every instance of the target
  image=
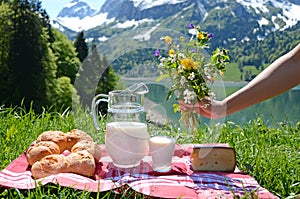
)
(194, 50)
(209, 35)
(191, 25)
(156, 53)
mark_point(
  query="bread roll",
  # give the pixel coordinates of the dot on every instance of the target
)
(49, 165)
(40, 150)
(91, 147)
(75, 136)
(58, 137)
(81, 162)
(46, 155)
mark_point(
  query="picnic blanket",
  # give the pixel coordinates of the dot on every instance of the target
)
(181, 181)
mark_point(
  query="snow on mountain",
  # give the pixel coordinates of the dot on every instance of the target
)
(76, 24)
(131, 23)
(78, 15)
(292, 14)
(145, 36)
(290, 11)
(77, 8)
(71, 4)
(257, 5)
(146, 4)
(263, 22)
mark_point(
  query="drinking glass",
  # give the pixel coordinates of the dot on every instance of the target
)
(162, 150)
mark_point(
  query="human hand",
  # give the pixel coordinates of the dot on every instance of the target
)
(208, 108)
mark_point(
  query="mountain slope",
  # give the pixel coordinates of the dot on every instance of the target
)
(261, 17)
(248, 28)
(78, 9)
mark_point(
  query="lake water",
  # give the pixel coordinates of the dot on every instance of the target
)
(283, 108)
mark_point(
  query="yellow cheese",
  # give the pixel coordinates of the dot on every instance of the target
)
(213, 158)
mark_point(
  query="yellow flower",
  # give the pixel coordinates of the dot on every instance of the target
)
(187, 63)
(168, 39)
(200, 35)
(171, 52)
(195, 65)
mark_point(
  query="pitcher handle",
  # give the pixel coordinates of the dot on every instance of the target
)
(139, 88)
(94, 107)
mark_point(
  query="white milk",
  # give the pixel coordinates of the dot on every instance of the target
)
(162, 150)
(126, 143)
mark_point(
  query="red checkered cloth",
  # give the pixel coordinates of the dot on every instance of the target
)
(181, 181)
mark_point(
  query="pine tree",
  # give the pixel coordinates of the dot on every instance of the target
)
(81, 46)
(29, 59)
(106, 83)
(86, 83)
(6, 30)
(108, 79)
(96, 77)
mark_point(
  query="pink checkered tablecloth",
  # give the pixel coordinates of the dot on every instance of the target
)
(181, 181)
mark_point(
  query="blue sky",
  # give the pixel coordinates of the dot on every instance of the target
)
(53, 7)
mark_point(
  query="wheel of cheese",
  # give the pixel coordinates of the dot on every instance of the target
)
(213, 158)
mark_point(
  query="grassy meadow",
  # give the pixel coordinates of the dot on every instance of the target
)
(270, 154)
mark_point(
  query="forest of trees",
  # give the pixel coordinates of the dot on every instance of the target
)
(39, 65)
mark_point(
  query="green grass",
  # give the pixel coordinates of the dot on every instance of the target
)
(232, 73)
(269, 154)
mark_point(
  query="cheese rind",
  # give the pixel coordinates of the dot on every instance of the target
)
(213, 158)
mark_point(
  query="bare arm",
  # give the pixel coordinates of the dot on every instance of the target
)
(280, 76)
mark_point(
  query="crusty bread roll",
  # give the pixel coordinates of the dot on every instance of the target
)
(81, 162)
(51, 164)
(91, 147)
(40, 150)
(58, 137)
(46, 156)
(75, 136)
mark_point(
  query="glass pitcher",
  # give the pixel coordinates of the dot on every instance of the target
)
(126, 138)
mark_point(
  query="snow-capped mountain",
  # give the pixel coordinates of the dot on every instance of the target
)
(78, 9)
(238, 19)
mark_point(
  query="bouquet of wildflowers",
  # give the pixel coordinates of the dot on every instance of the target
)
(190, 70)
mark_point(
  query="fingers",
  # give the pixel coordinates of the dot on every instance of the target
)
(207, 108)
(197, 108)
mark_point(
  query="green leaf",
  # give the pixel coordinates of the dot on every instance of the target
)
(161, 77)
(170, 93)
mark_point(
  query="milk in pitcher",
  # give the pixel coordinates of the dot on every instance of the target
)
(126, 143)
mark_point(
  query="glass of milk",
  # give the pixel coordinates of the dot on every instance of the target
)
(162, 150)
(126, 138)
